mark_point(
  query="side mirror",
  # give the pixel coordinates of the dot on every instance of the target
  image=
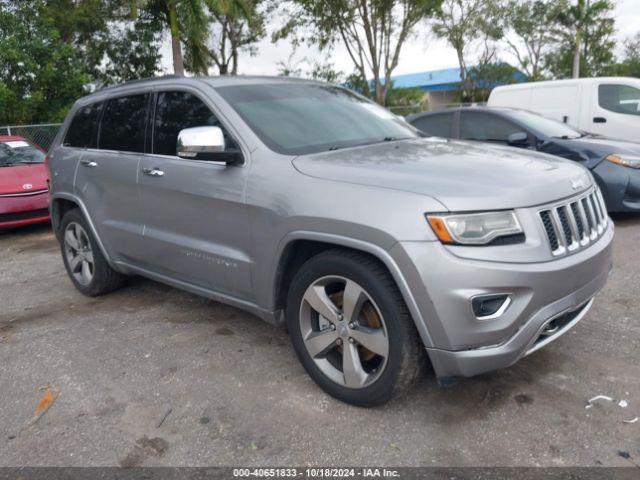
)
(518, 139)
(206, 143)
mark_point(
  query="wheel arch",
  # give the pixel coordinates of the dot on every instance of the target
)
(297, 247)
(61, 203)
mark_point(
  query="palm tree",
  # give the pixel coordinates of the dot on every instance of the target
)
(188, 24)
(579, 17)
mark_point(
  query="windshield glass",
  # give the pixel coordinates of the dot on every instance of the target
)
(19, 151)
(299, 119)
(545, 126)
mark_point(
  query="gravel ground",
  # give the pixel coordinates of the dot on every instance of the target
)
(150, 375)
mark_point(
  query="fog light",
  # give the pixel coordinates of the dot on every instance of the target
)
(490, 306)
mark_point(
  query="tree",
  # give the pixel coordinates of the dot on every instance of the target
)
(530, 23)
(484, 77)
(131, 51)
(40, 76)
(629, 66)
(52, 51)
(233, 30)
(404, 101)
(586, 40)
(188, 24)
(372, 31)
(463, 22)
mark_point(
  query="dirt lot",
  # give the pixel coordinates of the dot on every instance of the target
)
(153, 376)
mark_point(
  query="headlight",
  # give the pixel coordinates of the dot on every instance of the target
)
(625, 160)
(474, 228)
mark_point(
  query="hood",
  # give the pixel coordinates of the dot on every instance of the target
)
(462, 176)
(16, 179)
(594, 148)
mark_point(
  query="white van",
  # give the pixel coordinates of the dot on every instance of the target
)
(607, 106)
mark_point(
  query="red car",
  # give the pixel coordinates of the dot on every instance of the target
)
(24, 192)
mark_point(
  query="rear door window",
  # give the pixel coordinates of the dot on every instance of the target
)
(439, 125)
(123, 124)
(176, 111)
(619, 99)
(83, 131)
(484, 127)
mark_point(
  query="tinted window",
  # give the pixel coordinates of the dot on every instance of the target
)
(297, 119)
(83, 131)
(544, 126)
(436, 125)
(176, 111)
(619, 99)
(485, 128)
(123, 124)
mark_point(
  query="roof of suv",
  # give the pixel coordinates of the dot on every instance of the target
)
(218, 81)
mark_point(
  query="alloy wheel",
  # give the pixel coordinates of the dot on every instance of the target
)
(79, 254)
(344, 331)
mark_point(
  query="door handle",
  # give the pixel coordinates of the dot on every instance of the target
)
(153, 172)
(89, 163)
(599, 120)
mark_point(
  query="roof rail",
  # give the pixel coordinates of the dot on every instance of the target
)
(141, 80)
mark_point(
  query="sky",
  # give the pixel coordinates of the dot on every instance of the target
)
(422, 53)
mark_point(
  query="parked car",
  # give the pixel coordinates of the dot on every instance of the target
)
(24, 194)
(607, 106)
(615, 164)
(305, 203)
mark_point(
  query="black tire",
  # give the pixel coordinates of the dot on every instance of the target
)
(104, 278)
(406, 359)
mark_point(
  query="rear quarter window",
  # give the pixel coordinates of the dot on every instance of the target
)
(83, 130)
(436, 125)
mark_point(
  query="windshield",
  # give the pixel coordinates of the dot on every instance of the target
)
(17, 152)
(297, 119)
(545, 126)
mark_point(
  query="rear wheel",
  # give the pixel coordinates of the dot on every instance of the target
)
(351, 329)
(85, 264)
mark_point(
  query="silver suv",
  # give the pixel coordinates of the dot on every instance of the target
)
(307, 204)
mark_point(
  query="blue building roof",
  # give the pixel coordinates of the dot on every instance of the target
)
(444, 80)
(434, 80)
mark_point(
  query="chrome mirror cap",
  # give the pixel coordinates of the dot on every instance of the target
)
(198, 142)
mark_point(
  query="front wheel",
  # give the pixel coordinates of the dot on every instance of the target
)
(351, 328)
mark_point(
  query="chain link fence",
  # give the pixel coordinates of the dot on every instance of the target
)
(42, 135)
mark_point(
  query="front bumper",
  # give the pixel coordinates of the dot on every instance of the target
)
(620, 186)
(23, 209)
(461, 344)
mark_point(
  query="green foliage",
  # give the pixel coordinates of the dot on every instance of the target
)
(465, 24)
(629, 66)
(593, 25)
(483, 78)
(51, 51)
(403, 101)
(533, 24)
(235, 28)
(372, 31)
(40, 76)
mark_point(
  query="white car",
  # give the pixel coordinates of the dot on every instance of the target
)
(605, 106)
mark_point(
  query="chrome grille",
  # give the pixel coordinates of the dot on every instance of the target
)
(573, 225)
